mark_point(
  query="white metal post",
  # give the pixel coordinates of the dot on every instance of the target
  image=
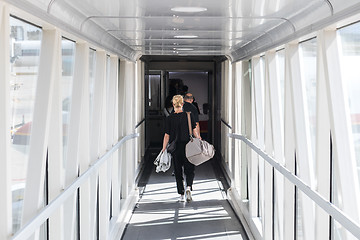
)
(259, 106)
(142, 135)
(341, 128)
(254, 163)
(302, 136)
(224, 84)
(81, 78)
(142, 128)
(129, 83)
(97, 142)
(277, 134)
(33, 196)
(95, 139)
(5, 161)
(55, 149)
(289, 152)
(84, 159)
(245, 126)
(237, 74)
(113, 77)
(231, 142)
(137, 105)
(122, 128)
(269, 149)
(104, 174)
(322, 143)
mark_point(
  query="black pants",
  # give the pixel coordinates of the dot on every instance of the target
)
(181, 161)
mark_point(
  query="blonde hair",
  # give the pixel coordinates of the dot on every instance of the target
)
(177, 101)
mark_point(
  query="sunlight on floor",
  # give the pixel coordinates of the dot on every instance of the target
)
(166, 192)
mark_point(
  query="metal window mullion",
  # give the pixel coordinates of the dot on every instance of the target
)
(254, 163)
(231, 107)
(5, 139)
(289, 152)
(55, 150)
(245, 127)
(128, 120)
(229, 97)
(95, 136)
(120, 102)
(123, 112)
(340, 122)
(258, 79)
(224, 84)
(130, 124)
(115, 164)
(137, 104)
(237, 74)
(84, 159)
(81, 75)
(96, 117)
(277, 134)
(302, 136)
(94, 151)
(322, 143)
(34, 189)
(269, 149)
(142, 134)
(104, 175)
(222, 110)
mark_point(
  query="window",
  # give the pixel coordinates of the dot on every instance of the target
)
(25, 42)
(350, 57)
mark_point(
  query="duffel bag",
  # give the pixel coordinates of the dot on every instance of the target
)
(198, 151)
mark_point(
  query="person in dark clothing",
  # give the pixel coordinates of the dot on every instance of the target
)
(189, 107)
(168, 106)
(176, 127)
(196, 105)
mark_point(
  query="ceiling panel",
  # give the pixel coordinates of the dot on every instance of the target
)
(227, 27)
(222, 26)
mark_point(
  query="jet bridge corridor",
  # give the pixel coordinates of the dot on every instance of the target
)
(84, 89)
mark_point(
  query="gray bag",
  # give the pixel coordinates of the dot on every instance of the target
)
(198, 151)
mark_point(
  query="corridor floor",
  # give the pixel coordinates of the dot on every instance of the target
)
(159, 214)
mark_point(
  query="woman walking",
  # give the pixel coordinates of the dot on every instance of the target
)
(176, 129)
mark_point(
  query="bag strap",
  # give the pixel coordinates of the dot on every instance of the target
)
(189, 124)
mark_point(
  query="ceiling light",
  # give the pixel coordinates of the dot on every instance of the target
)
(184, 49)
(185, 36)
(189, 9)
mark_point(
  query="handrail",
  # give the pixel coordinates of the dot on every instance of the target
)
(137, 125)
(226, 124)
(47, 211)
(327, 206)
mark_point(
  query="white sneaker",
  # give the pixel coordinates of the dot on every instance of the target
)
(182, 198)
(188, 195)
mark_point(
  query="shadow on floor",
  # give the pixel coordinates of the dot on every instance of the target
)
(159, 214)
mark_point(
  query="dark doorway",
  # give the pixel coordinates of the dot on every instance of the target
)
(167, 76)
(197, 83)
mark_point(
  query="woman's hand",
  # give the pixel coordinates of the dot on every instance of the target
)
(196, 134)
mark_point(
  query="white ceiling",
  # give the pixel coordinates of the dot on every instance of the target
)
(236, 28)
